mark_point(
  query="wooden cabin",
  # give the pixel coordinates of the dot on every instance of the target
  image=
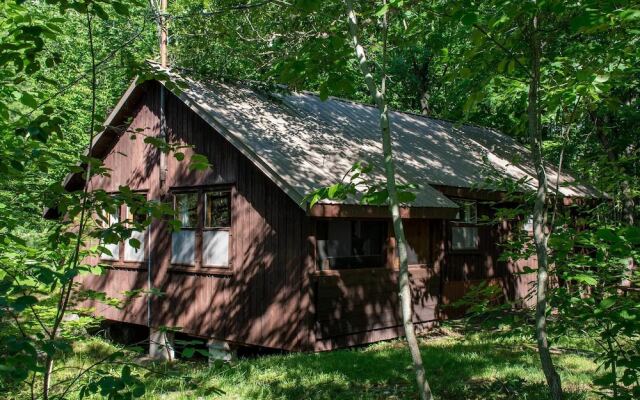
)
(253, 265)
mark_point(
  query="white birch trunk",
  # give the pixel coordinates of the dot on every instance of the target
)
(394, 208)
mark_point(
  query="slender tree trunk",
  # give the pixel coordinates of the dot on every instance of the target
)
(540, 236)
(425, 109)
(394, 207)
(628, 204)
(65, 293)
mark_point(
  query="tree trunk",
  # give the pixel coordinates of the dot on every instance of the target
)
(540, 236)
(394, 208)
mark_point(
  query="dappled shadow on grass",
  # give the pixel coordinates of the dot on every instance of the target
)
(457, 369)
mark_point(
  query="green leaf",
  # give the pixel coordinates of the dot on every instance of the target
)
(632, 234)
(135, 243)
(120, 8)
(406, 197)
(469, 19)
(607, 235)
(382, 11)
(23, 302)
(308, 5)
(333, 190)
(584, 278)
(188, 352)
(608, 302)
(199, 162)
(625, 314)
(28, 100)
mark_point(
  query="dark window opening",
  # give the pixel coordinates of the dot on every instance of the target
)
(351, 244)
(217, 209)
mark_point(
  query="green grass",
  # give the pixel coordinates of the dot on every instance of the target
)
(477, 365)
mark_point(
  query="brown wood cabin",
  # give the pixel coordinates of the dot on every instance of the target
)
(253, 265)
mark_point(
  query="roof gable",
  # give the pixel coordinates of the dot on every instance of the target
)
(303, 143)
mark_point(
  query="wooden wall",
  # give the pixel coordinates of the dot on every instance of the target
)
(359, 306)
(271, 295)
(261, 298)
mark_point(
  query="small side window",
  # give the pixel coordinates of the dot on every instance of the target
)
(131, 253)
(114, 248)
(464, 232)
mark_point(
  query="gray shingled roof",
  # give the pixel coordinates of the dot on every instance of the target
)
(303, 143)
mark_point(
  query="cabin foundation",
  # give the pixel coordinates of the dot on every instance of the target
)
(161, 345)
(220, 351)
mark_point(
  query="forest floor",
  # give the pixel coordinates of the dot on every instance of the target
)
(462, 363)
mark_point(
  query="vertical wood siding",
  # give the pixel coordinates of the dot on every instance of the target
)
(259, 302)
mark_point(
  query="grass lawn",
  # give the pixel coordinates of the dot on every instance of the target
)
(477, 365)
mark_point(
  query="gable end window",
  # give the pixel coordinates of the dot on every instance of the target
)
(464, 229)
(204, 237)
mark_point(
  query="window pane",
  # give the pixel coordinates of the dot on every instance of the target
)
(215, 248)
(183, 247)
(351, 244)
(464, 238)
(130, 252)
(137, 216)
(217, 210)
(468, 211)
(114, 248)
(186, 207)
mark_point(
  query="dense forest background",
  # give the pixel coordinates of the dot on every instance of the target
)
(438, 66)
(65, 63)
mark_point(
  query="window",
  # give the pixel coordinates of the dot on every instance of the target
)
(464, 232)
(215, 235)
(527, 226)
(217, 209)
(206, 221)
(186, 207)
(348, 244)
(468, 211)
(124, 252)
(183, 242)
(132, 254)
(114, 248)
